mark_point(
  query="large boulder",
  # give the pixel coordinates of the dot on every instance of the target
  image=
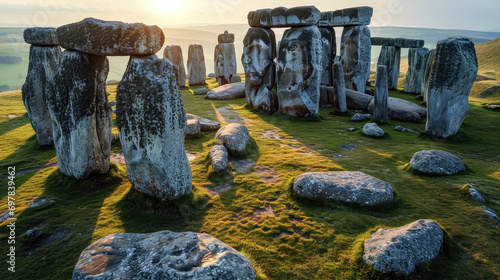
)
(329, 44)
(43, 64)
(402, 110)
(219, 157)
(357, 100)
(452, 75)
(259, 52)
(234, 136)
(436, 162)
(299, 71)
(225, 62)
(40, 36)
(345, 17)
(372, 129)
(400, 250)
(161, 255)
(390, 56)
(417, 57)
(80, 113)
(196, 65)
(110, 38)
(205, 124)
(227, 92)
(174, 54)
(347, 186)
(152, 122)
(283, 17)
(355, 51)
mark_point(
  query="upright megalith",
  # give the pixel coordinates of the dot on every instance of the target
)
(174, 54)
(390, 57)
(355, 51)
(81, 116)
(43, 63)
(427, 73)
(452, 75)
(417, 58)
(259, 52)
(225, 59)
(340, 102)
(196, 65)
(299, 71)
(381, 98)
(329, 44)
(152, 122)
(98, 37)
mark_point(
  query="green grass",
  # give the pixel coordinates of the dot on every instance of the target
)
(304, 239)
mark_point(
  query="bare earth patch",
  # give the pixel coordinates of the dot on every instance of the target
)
(218, 189)
(191, 156)
(271, 134)
(268, 175)
(242, 165)
(228, 115)
(117, 158)
(259, 213)
(11, 116)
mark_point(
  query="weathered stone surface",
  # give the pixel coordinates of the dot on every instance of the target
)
(403, 129)
(201, 91)
(162, 255)
(400, 250)
(152, 123)
(110, 38)
(397, 42)
(339, 102)
(283, 17)
(299, 71)
(193, 128)
(259, 52)
(228, 92)
(403, 110)
(346, 17)
(354, 187)
(219, 157)
(355, 51)
(80, 113)
(235, 79)
(357, 100)
(476, 195)
(325, 94)
(40, 36)
(174, 54)
(360, 117)
(205, 124)
(196, 65)
(372, 129)
(391, 57)
(453, 73)
(235, 137)
(381, 98)
(224, 62)
(417, 57)
(427, 73)
(226, 37)
(329, 44)
(43, 64)
(436, 162)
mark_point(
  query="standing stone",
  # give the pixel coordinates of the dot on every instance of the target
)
(381, 98)
(196, 65)
(390, 56)
(299, 71)
(174, 54)
(355, 51)
(417, 58)
(328, 41)
(427, 73)
(259, 52)
(100, 37)
(81, 116)
(44, 61)
(340, 101)
(152, 122)
(453, 72)
(224, 62)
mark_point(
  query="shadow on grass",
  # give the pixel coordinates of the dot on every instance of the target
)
(13, 123)
(29, 155)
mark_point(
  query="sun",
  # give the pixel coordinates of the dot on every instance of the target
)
(168, 6)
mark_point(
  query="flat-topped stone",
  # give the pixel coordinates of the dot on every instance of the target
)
(41, 36)
(205, 124)
(397, 42)
(436, 162)
(347, 186)
(228, 92)
(283, 17)
(402, 110)
(345, 17)
(226, 37)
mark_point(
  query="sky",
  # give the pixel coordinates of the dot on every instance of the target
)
(441, 14)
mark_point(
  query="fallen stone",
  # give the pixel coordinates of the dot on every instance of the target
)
(372, 129)
(339, 99)
(205, 124)
(201, 91)
(228, 92)
(452, 75)
(353, 187)
(161, 255)
(226, 37)
(476, 195)
(397, 42)
(235, 79)
(493, 106)
(152, 122)
(400, 250)
(42, 202)
(492, 216)
(417, 57)
(219, 157)
(283, 17)
(32, 234)
(346, 17)
(381, 97)
(234, 136)
(357, 100)
(355, 52)
(196, 65)
(402, 110)
(40, 36)
(110, 38)
(360, 117)
(390, 56)
(174, 54)
(192, 128)
(435, 162)
(402, 129)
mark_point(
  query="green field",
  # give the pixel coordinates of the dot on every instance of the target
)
(284, 237)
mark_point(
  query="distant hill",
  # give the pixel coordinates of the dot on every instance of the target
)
(487, 83)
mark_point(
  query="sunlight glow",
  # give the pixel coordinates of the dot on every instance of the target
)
(168, 6)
